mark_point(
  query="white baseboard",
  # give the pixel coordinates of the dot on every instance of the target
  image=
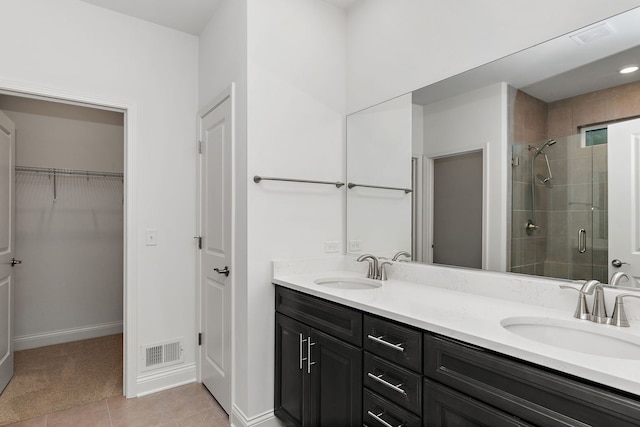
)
(165, 379)
(239, 419)
(26, 342)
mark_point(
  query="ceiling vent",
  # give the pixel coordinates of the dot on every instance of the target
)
(162, 354)
(592, 34)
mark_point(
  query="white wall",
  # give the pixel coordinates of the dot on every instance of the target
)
(85, 52)
(471, 122)
(379, 153)
(397, 47)
(69, 285)
(296, 108)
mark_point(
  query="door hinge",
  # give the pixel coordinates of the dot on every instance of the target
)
(200, 338)
(199, 241)
(199, 147)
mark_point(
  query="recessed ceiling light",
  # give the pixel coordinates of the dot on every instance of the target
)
(629, 69)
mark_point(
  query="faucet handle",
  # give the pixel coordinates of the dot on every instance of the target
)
(383, 271)
(582, 309)
(619, 317)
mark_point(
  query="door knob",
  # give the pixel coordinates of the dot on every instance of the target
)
(617, 263)
(15, 261)
(224, 271)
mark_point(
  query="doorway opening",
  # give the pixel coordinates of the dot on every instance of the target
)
(457, 209)
(70, 216)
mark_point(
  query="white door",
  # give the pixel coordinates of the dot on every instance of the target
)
(215, 261)
(7, 241)
(623, 154)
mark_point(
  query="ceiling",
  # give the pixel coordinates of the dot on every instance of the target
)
(189, 16)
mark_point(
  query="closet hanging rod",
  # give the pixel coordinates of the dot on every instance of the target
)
(406, 190)
(56, 171)
(257, 179)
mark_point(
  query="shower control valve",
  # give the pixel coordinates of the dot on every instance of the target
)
(530, 227)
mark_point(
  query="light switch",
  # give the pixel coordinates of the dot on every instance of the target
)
(151, 237)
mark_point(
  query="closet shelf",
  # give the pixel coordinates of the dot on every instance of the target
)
(56, 171)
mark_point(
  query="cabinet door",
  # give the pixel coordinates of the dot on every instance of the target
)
(336, 381)
(292, 386)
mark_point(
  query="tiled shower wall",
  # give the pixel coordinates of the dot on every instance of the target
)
(528, 253)
(580, 182)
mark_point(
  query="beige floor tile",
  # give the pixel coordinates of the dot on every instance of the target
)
(33, 422)
(142, 411)
(208, 418)
(94, 414)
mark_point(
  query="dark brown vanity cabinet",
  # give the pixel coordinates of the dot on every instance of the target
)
(336, 366)
(318, 362)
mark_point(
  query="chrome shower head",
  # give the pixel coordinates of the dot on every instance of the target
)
(549, 143)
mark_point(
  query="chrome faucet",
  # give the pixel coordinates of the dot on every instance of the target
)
(582, 309)
(399, 254)
(373, 272)
(617, 277)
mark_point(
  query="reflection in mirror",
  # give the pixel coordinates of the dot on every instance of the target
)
(544, 120)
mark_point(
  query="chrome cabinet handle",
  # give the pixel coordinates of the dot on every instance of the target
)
(301, 358)
(379, 379)
(379, 340)
(224, 271)
(379, 419)
(582, 240)
(309, 362)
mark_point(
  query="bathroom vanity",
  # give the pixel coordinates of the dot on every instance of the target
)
(348, 356)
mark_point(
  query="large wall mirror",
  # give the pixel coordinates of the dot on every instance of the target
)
(529, 164)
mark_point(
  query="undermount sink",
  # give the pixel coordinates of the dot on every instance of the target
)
(580, 336)
(348, 282)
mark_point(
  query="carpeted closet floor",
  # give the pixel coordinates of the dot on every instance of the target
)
(57, 377)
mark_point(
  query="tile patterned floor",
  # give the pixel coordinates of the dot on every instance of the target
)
(186, 406)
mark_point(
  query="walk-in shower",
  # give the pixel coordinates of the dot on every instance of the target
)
(531, 225)
(559, 208)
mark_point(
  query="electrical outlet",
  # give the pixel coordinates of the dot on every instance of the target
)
(332, 246)
(354, 246)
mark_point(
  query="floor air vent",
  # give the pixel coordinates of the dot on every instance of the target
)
(162, 354)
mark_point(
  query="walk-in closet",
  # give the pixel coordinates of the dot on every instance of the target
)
(69, 219)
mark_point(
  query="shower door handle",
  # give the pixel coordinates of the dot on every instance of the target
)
(582, 240)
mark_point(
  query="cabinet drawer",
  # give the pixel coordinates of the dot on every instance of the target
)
(397, 384)
(528, 392)
(334, 319)
(446, 408)
(400, 344)
(379, 412)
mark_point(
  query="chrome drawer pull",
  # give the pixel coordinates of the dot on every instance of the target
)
(379, 379)
(380, 420)
(379, 340)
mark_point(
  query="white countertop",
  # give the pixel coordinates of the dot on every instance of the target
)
(474, 319)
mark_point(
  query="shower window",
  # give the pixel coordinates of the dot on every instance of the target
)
(594, 135)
